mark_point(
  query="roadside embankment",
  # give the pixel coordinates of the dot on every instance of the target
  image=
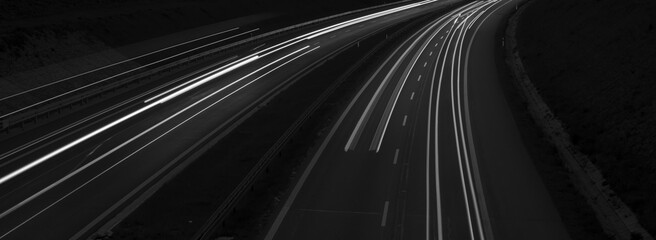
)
(590, 91)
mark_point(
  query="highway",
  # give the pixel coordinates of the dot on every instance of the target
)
(427, 149)
(66, 180)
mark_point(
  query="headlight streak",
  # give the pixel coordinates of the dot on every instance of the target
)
(209, 78)
(202, 76)
(179, 90)
(120, 62)
(461, 147)
(428, 144)
(52, 134)
(365, 18)
(382, 127)
(22, 203)
(479, 189)
(122, 73)
(357, 131)
(244, 60)
(42, 159)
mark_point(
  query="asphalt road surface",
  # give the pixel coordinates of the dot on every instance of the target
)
(427, 149)
(72, 177)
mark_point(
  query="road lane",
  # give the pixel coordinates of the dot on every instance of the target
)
(443, 181)
(85, 180)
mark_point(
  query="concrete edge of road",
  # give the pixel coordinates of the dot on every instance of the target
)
(616, 218)
(68, 104)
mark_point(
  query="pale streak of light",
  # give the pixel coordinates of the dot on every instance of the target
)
(384, 220)
(380, 133)
(49, 135)
(455, 129)
(396, 156)
(437, 107)
(488, 233)
(211, 77)
(259, 46)
(202, 76)
(131, 70)
(130, 140)
(114, 64)
(365, 18)
(460, 42)
(350, 144)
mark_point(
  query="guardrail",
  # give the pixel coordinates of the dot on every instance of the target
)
(82, 97)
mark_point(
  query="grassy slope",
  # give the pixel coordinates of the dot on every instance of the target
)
(593, 62)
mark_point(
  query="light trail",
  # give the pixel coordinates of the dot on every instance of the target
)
(86, 119)
(117, 63)
(116, 75)
(22, 203)
(353, 138)
(141, 148)
(48, 156)
(382, 127)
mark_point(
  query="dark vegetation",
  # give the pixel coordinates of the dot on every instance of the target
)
(577, 216)
(594, 62)
(36, 33)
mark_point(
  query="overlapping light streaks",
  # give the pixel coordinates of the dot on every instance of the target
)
(465, 148)
(174, 92)
(455, 26)
(126, 60)
(121, 73)
(22, 203)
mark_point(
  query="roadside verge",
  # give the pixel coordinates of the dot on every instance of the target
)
(616, 218)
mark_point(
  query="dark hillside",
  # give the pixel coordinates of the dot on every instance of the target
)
(594, 62)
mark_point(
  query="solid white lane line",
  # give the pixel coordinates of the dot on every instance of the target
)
(405, 118)
(384, 220)
(396, 156)
(412, 96)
